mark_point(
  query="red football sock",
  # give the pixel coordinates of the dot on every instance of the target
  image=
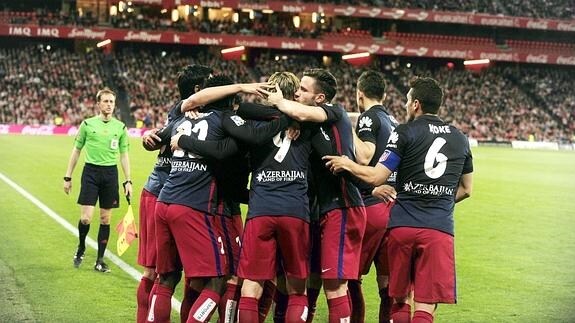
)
(190, 297)
(422, 317)
(357, 302)
(297, 309)
(401, 313)
(280, 309)
(312, 295)
(248, 312)
(265, 302)
(204, 306)
(228, 307)
(338, 309)
(142, 296)
(384, 306)
(161, 305)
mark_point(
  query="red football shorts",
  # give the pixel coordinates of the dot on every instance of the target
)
(373, 248)
(147, 234)
(422, 259)
(341, 236)
(190, 239)
(264, 237)
(231, 230)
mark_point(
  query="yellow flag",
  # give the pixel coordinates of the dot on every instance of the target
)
(126, 231)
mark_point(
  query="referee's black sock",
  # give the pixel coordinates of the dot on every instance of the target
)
(103, 236)
(82, 233)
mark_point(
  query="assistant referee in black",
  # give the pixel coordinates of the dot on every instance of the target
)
(104, 138)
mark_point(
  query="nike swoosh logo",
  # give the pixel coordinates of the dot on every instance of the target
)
(324, 270)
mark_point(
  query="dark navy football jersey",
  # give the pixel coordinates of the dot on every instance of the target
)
(334, 137)
(375, 125)
(433, 156)
(231, 163)
(162, 167)
(192, 179)
(279, 170)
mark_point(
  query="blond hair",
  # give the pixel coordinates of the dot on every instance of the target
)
(288, 83)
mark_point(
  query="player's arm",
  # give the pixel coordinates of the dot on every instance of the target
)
(151, 141)
(364, 150)
(74, 156)
(158, 138)
(254, 111)
(365, 137)
(465, 187)
(216, 149)
(251, 134)
(374, 176)
(211, 94)
(295, 110)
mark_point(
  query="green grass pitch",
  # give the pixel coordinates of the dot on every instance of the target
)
(515, 241)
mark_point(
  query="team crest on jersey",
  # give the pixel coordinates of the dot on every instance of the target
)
(238, 120)
(384, 156)
(365, 122)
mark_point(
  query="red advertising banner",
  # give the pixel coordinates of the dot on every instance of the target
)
(338, 45)
(48, 130)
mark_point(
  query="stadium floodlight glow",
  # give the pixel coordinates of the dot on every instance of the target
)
(354, 56)
(104, 43)
(233, 49)
(476, 62)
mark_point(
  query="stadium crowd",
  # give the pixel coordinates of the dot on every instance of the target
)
(40, 86)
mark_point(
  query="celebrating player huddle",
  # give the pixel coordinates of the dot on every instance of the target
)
(314, 214)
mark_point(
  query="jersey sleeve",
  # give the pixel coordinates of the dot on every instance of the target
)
(468, 164)
(334, 113)
(216, 149)
(124, 140)
(254, 111)
(253, 132)
(81, 136)
(368, 126)
(396, 144)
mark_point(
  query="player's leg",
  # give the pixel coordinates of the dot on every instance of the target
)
(257, 264)
(202, 250)
(146, 253)
(248, 307)
(293, 240)
(314, 281)
(434, 273)
(400, 244)
(192, 289)
(342, 235)
(168, 265)
(232, 230)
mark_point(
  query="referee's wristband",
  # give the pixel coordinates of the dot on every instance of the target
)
(126, 183)
(67, 179)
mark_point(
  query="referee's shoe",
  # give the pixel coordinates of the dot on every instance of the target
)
(101, 266)
(78, 257)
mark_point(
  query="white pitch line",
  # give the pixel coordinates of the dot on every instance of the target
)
(89, 241)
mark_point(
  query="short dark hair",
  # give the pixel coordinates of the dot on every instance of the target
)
(105, 90)
(190, 77)
(372, 84)
(223, 103)
(428, 92)
(325, 82)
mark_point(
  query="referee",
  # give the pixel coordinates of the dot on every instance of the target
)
(104, 138)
